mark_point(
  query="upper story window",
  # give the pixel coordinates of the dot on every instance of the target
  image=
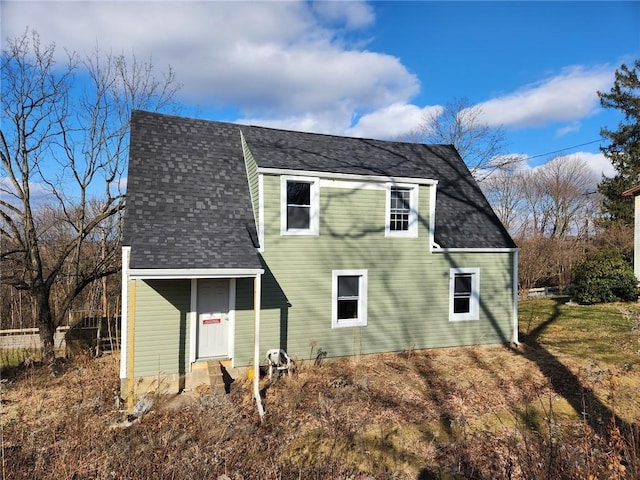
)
(464, 296)
(299, 205)
(402, 211)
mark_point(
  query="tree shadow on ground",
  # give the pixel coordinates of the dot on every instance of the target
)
(583, 399)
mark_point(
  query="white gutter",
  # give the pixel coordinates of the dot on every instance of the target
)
(474, 250)
(190, 273)
(346, 176)
(256, 345)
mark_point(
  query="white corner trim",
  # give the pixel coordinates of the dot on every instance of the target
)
(261, 212)
(232, 319)
(516, 339)
(432, 217)
(124, 313)
(193, 322)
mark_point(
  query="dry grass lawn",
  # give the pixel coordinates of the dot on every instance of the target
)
(547, 409)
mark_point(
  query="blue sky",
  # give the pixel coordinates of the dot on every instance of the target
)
(370, 69)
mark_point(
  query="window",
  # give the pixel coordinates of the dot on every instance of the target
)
(464, 301)
(299, 205)
(402, 211)
(349, 298)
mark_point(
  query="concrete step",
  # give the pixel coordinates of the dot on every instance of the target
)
(211, 376)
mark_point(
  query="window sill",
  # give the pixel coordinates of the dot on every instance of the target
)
(344, 324)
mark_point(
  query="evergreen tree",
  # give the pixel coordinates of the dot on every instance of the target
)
(624, 148)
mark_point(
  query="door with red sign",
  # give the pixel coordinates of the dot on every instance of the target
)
(213, 318)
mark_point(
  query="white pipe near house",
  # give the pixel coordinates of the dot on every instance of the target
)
(256, 344)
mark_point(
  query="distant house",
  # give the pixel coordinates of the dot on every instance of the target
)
(319, 244)
(635, 192)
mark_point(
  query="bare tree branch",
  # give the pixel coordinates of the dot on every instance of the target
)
(460, 124)
(67, 141)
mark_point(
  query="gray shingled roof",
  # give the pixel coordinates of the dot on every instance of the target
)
(188, 202)
(187, 195)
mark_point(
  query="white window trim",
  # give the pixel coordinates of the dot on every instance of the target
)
(314, 210)
(474, 307)
(361, 321)
(412, 232)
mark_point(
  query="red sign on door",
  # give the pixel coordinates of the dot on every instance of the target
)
(211, 321)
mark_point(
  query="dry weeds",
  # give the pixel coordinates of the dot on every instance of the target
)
(477, 412)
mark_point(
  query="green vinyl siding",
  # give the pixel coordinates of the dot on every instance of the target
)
(252, 177)
(408, 286)
(161, 329)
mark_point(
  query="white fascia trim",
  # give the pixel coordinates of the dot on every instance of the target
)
(124, 313)
(246, 169)
(189, 273)
(475, 250)
(346, 176)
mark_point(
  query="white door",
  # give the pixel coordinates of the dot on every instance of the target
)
(213, 318)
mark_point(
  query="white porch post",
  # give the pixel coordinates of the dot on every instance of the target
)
(256, 344)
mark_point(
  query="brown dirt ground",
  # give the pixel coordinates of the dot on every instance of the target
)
(446, 413)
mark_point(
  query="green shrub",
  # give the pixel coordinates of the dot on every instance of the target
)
(604, 277)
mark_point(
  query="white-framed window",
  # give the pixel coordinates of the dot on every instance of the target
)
(349, 298)
(401, 210)
(464, 296)
(299, 205)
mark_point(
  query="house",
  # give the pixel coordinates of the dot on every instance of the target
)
(239, 239)
(635, 193)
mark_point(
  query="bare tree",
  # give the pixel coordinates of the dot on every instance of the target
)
(63, 147)
(559, 197)
(505, 191)
(480, 145)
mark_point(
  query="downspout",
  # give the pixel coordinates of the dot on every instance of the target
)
(256, 344)
(516, 340)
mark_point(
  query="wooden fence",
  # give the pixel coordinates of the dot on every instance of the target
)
(29, 338)
(102, 333)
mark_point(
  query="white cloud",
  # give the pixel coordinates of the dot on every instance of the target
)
(571, 128)
(350, 14)
(394, 121)
(268, 59)
(567, 97)
(332, 122)
(598, 163)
